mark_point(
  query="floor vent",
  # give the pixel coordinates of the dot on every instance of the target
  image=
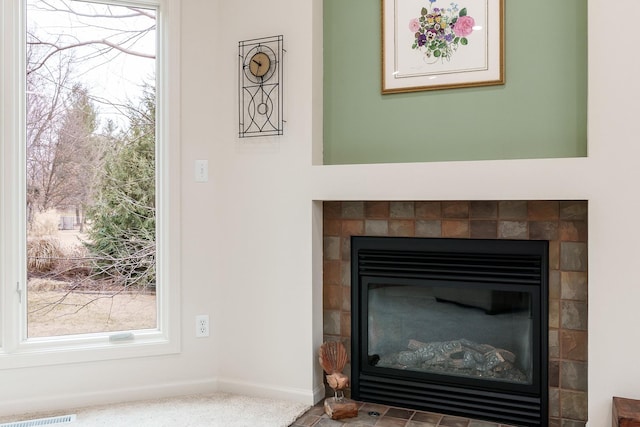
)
(53, 421)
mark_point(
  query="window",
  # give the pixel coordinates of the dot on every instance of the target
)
(87, 178)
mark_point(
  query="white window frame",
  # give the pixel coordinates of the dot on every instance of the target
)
(16, 350)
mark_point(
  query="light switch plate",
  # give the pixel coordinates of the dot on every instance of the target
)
(202, 171)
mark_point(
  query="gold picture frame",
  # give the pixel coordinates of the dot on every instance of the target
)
(439, 44)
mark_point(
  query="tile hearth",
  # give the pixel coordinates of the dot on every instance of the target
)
(373, 415)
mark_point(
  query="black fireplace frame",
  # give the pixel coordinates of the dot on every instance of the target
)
(498, 264)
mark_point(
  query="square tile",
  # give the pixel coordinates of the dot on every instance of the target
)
(448, 421)
(402, 227)
(574, 210)
(513, 229)
(543, 210)
(483, 210)
(455, 228)
(427, 417)
(402, 210)
(455, 209)
(391, 422)
(428, 228)
(352, 210)
(376, 227)
(376, 210)
(512, 209)
(428, 210)
(483, 229)
(400, 413)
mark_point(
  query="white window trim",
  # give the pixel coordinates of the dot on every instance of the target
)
(15, 349)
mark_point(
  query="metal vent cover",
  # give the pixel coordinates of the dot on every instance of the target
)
(52, 421)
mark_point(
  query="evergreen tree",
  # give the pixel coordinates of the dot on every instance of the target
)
(122, 218)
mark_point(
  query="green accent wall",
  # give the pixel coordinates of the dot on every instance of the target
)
(541, 111)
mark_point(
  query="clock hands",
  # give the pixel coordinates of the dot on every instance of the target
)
(259, 65)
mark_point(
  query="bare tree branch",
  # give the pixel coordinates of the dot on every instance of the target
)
(58, 49)
(69, 9)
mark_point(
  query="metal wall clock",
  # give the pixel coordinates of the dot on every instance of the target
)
(260, 87)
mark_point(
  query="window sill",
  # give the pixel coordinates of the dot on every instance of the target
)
(86, 348)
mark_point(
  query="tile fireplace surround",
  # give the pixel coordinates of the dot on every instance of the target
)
(562, 223)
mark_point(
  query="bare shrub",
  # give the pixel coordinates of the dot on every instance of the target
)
(43, 254)
(45, 223)
(76, 262)
(46, 285)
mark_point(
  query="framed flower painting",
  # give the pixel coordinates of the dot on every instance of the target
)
(441, 44)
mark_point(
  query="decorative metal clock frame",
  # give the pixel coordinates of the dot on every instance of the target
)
(260, 87)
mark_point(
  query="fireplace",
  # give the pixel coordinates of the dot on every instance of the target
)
(562, 223)
(456, 326)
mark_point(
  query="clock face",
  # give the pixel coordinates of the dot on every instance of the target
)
(259, 64)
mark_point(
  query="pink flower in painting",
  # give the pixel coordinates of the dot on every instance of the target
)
(414, 25)
(464, 26)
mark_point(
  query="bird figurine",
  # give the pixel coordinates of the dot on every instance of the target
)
(333, 358)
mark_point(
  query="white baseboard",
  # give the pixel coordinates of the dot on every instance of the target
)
(68, 401)
(308, 397)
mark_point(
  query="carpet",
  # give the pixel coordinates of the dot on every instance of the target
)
(210, 410)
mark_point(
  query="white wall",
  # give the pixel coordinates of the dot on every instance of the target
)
(266, 323)
(246, 234)
(261, 195)
(283, 174)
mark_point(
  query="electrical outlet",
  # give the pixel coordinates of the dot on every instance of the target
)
(202, 326)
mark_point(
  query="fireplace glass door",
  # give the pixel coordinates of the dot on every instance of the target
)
(459, 329)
